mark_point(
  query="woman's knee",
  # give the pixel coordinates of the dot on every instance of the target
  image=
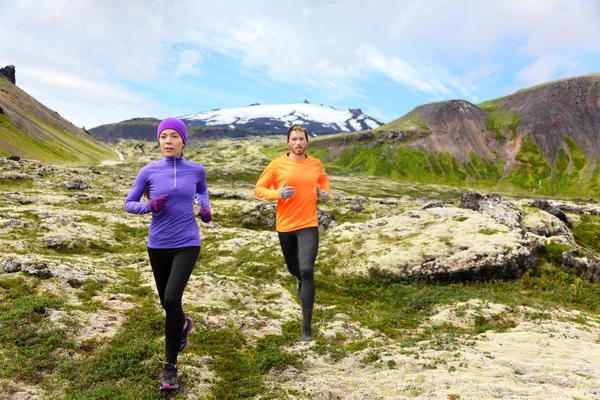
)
(172, 303)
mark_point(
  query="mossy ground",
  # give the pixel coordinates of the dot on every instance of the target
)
(126, 366)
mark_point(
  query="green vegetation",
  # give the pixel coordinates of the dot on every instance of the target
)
(587, 232)
(501, 121)
(28, 341)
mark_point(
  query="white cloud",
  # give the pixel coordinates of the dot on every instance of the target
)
(441, 48)
(546, 68)
(188, 62)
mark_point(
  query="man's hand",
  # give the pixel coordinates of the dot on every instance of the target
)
(157, 204)
(287, 192)
(323, 195)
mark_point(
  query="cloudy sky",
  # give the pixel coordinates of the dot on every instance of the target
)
(104, 61)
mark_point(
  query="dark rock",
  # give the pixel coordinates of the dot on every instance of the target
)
(14, 158)
(550, 209)
(10, 73)
(433, 204)
(75, 282)
(39, 270)
(584, 265)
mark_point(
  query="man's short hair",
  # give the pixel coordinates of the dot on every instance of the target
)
(297, 128)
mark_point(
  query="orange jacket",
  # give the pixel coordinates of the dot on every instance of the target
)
(305, 176)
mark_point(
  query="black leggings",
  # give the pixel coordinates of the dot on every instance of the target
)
(300, 252)
(172, 269)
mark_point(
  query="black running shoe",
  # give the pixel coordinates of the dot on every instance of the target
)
(184, 334)
(169, 378)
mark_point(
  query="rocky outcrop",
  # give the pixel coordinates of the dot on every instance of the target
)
(494, 206)
(550, 209)
(588, 266)
(586, 209)
(9, 73)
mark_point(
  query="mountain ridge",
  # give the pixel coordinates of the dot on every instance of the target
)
(254, 119)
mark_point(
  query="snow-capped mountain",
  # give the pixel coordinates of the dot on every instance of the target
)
(317, 119)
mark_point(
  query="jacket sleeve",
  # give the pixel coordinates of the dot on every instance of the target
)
(133, 204)
(202, 190)
(323, 179)
(267, 180)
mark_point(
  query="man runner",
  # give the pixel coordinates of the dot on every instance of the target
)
(295, 180)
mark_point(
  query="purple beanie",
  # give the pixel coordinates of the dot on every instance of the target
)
(172, 123)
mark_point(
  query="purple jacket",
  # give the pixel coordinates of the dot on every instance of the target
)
(182, 180)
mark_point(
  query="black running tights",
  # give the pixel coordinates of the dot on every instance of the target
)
(172, 269)
(300, 252)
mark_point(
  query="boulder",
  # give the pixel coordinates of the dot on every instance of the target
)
(550, 209)
(588, 266)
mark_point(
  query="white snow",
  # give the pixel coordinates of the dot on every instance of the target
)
(289, 113)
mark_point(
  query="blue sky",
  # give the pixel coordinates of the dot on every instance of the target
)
(98, 62)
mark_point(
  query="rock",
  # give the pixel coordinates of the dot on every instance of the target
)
(550, 209)
(356, 206)
(260, 214)
(58, 242)
(584, 265)
(433, 204)
(39, 270)
(494, 206)
(10, 73)
(13, 158)
(75, 184)
(11, 266)
(507, 266)
(326, 220)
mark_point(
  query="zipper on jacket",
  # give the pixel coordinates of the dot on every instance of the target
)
(175, 173)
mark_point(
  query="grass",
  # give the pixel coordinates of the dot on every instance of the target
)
(25, 333)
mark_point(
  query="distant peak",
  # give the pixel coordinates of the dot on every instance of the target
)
(253, 104)
(305, 101)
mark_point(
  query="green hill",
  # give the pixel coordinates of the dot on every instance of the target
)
(30, 130)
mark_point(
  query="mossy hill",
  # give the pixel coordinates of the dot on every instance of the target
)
(544, 140)
(31, 130)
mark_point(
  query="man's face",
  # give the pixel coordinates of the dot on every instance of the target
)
(297, 142)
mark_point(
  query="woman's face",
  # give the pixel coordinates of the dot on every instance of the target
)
(171, 143)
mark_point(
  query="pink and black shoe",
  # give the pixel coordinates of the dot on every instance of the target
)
(169, 378)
